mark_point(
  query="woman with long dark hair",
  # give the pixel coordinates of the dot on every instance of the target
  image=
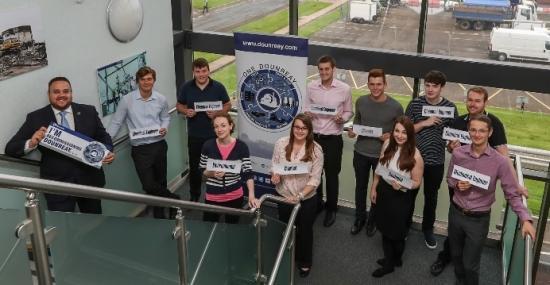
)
(399, 160)
(298, 149)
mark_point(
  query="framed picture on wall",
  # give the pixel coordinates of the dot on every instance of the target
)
(116, 80)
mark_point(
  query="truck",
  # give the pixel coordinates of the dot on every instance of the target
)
(485, 14)
(363, 11)
(519, 44)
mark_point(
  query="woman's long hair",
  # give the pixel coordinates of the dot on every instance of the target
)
(310, 143)
(406, 156)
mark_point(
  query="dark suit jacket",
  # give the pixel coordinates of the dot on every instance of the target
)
(53, 165)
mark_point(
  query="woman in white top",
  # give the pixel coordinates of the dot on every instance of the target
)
(399, 160)
(299, 147)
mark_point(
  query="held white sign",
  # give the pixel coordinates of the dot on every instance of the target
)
(323, 110)
(367, 131)
(291, 168)
(389, 175)
(230, 166)
(74, 145)
(454, 134)
(144, 133)
(475, 178)
(438, 111)
(208, 106)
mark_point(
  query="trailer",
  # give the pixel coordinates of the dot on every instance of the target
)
(363, 11)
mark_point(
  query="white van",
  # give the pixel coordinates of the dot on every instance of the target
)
(532, 45)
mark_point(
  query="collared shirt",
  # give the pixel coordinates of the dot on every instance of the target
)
(68, 115)
(337, 95)
(494, 165)
(200, 126)
(141, 113)
(293, 184)
(57, 113)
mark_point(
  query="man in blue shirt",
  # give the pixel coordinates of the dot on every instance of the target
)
(145, 112)
(201, 88)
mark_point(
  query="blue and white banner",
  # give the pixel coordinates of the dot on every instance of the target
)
(74, 145)
(271, 76)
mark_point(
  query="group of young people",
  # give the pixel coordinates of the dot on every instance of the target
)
(403, 149)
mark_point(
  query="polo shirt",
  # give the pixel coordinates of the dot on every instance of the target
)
(497, 138)
(200, 126)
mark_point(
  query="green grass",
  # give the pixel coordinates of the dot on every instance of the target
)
(316, 25)
(228, 76)
(536, 190)
(198, 4)
(210, 57)
(271, 23)
(276, 21)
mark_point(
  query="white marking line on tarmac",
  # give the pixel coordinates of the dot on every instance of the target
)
(407, 83)
(535, 98)
(462, 86)
(495, 94)
(353, 79)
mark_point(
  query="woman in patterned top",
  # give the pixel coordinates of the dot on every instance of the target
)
(299, 148)
(224, 188)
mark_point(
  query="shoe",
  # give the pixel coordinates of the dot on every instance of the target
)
(330, 217)
(381, 272)
(194, 198)
(304, 272)
(371, 228)
(357, 226)
(437, 267)
(382, 262)
(429, 238)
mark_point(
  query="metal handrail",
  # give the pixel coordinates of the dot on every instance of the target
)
(528, 259)
(22, 183)
(127, 136)
(284, 244)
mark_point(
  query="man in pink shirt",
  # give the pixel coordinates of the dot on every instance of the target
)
(472, 175)
(329, 103)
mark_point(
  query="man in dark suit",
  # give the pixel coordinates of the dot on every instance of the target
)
(55, 166)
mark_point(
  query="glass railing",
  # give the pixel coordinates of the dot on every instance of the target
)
(14, 261)
(95, 249)
(517, 250)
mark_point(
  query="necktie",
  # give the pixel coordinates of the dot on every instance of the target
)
(64, 121)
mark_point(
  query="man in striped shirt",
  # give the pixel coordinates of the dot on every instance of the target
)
(430, 114)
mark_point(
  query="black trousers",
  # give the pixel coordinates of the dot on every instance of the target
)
(62, 203)
(445, 254)
(362, 166)
(332, 150)
(151, 167)
(304, 229)
(393, 251)
(433, 175)
(229, 219)
(194, 144)
(467, 236)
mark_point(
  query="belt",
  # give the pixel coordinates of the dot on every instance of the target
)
(321, 136)
(475, 214)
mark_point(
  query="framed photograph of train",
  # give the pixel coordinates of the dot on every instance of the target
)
(116, 80)
(22, 46)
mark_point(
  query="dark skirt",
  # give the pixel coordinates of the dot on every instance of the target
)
(392, 210)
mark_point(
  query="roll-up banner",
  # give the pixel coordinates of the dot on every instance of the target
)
(271, 76)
